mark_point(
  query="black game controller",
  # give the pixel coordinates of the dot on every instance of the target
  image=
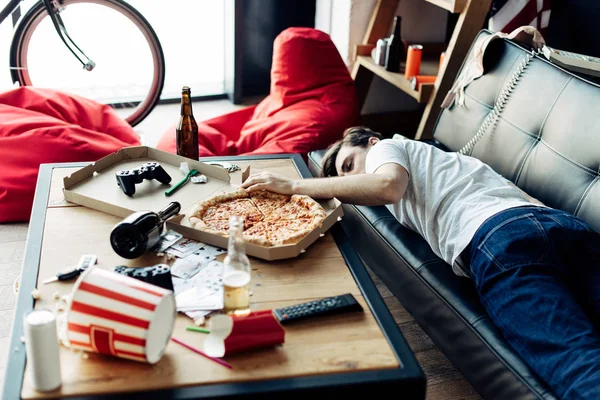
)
(159, 274)
(127, 179)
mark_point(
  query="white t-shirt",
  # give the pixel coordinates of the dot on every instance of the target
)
(448, 197)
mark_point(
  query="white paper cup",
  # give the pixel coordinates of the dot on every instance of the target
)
(41, 345)
(113, 314)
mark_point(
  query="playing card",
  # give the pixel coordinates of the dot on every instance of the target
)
(211, 277)
(198, 298)
(184, 247)
(197, 314)
(199, 259)
(181, 285)
(203, 291)
(185, 268)
(166, 240)
(207, 250)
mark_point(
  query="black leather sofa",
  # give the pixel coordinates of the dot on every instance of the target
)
(547, 141)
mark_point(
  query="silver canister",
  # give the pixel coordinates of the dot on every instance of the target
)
(41, 347)
(381, 51)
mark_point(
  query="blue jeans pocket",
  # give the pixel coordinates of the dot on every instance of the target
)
(569, 221)
(520, 240)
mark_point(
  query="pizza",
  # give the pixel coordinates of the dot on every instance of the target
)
(270, 219)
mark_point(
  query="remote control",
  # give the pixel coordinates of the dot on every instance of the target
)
(327, 306)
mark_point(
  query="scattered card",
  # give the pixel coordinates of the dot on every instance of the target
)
(185, 247)
(185, 269)
(207, 250)
(198, 298)
(181, 285)
(197, 314)
(168, 238)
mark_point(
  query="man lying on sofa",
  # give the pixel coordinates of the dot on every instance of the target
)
(536, 269)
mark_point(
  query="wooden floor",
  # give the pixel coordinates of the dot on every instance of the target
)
(444, 382)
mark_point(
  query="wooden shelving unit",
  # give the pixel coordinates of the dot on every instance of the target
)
(454, 6)
(472, 14)
(422, 94)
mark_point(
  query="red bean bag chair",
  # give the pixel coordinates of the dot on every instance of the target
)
(312, 100)
(40, 126)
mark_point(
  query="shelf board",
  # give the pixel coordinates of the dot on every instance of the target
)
(454, 6)
(428, 67)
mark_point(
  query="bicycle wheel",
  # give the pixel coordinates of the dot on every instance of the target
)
(130, 66)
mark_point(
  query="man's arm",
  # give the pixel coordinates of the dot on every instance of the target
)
(385, 186)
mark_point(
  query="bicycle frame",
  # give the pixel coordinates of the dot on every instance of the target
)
(54, 7)
(8, 10)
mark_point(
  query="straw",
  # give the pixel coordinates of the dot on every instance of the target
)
(196, 329)
(217, 360)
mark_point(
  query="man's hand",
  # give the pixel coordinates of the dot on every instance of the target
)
(269, 181)
(386, 186)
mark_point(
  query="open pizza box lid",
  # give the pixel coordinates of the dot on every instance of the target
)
(95, 186)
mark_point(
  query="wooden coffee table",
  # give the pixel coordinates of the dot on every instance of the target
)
(354, 353)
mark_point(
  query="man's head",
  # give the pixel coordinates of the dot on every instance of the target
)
(347, 156)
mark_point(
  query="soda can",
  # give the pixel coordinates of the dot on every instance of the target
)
(417, 80)
(381, 51)
(413, 61)
(113, 314)
(41, 347)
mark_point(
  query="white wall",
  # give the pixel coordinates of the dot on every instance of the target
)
(346, 21)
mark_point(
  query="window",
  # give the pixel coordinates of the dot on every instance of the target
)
(191, 33)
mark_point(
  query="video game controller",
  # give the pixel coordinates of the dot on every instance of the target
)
(127, 179)
(159, 274)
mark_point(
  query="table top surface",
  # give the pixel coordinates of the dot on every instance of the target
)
(335, 347)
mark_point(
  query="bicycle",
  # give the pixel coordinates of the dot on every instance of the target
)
(131, 86)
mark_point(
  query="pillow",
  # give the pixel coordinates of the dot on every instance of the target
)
(312, 100)
(41, 126)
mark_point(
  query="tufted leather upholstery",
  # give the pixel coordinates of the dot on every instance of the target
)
(547, 141)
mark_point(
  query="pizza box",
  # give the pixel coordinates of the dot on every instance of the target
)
(95, 186)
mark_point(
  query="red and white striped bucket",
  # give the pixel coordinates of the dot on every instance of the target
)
(114, 314)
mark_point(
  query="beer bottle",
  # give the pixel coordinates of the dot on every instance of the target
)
(236, 271)
(396, 51)
(187, 129)
(141, 231)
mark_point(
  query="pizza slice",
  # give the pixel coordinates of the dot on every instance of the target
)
(281, 232)
(218, 226)
(299, 207)
(223, 206)
(268, 202)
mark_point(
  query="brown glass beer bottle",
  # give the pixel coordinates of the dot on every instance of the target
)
(187, 128)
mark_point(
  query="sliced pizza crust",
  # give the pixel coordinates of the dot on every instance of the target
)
(268, 202)
(274, 233)
(270, 219)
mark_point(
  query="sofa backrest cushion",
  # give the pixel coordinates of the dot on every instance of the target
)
(547, 138)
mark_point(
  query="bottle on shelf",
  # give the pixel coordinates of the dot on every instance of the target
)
(236, 271)
(141, 231)
(187, 128)
(396, 49)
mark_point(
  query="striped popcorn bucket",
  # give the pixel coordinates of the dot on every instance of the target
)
(113, 314)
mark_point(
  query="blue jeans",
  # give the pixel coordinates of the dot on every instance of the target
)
(537, 271)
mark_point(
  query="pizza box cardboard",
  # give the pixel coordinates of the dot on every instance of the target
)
(95, 186)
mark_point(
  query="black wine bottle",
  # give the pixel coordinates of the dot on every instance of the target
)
(396, 51)
(141, 231)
